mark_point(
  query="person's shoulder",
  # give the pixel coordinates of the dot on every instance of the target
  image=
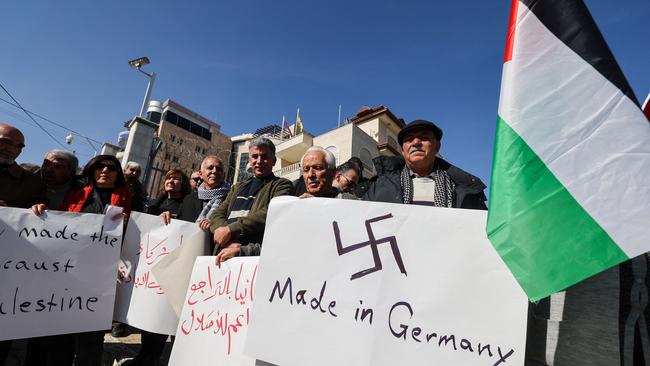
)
(278, 181)
(25, 175)
(388, 164)
(190, 197)
(346, 196)
(154, 202)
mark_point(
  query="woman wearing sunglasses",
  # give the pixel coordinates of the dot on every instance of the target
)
(105, 185)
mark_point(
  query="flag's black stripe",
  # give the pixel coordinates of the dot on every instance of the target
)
(571, 22)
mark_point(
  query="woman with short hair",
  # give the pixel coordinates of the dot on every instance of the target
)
(175, 187)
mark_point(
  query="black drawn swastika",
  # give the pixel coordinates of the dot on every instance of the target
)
(373, 243)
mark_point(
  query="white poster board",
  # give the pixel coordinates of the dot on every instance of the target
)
(141, 301)
(174, 271)
(345, 282)
(216, 314)
(58, 272)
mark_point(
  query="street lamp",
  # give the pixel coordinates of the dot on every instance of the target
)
(137, 64)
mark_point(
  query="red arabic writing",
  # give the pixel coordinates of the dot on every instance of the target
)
(219, 306)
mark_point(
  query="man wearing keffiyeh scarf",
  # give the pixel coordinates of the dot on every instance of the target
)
(197, 205)
(421, 177)
(214, 196)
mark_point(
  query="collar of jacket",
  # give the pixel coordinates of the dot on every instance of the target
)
(395, 164)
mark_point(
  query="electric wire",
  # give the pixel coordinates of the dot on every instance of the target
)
(52, 122)
(32, 118)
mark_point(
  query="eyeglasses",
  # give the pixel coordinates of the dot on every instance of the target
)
(10, 142)
(351, 184)
(196, 179)
(110, 167)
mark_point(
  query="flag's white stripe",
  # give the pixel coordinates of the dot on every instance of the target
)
(592, 137)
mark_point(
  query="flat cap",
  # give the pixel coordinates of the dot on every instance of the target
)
(419, 124)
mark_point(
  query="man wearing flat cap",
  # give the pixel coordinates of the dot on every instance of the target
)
(420, 177)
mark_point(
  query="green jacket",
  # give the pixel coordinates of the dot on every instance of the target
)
(250, 229)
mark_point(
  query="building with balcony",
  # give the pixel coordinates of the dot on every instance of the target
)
(370, 133)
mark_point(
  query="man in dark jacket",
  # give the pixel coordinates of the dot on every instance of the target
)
(59, 173)
(238, 223)
(420, 177)
(18, 187)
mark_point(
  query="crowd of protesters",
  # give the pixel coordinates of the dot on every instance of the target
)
(234, 216)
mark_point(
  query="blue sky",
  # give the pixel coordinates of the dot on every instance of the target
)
(246, 63)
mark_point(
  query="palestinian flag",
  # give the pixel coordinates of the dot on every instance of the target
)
(570, 188)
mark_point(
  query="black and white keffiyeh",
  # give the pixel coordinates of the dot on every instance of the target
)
(215, 197)
(444, 192)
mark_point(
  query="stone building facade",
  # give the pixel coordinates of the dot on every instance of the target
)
(187, 138)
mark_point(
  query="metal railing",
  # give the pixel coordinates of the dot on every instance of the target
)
(287, 170)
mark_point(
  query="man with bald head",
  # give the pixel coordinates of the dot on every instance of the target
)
(18, 187)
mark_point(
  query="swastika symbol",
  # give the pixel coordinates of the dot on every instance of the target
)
(373, 243)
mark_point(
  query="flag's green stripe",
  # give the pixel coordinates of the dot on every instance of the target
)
(546, 238)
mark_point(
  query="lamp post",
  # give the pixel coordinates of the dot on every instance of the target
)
(137, 64)
(140, 147)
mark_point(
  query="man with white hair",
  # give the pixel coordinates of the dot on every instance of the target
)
(196, 206)
(318, 171)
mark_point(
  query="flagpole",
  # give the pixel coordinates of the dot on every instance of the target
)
(284, 123)
(295, 126)
(339, 124)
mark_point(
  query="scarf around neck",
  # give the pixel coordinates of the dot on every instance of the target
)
(443, 196)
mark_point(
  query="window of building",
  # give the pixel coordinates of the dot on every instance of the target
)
(172, 137)
(175, 159)
(187, 125)
(243, 162)
(167, 156)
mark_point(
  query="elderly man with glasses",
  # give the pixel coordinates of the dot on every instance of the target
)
(18, 187)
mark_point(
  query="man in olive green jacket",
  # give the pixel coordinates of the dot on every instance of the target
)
(238, 224)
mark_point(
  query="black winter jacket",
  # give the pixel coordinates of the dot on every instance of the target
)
(386, 186)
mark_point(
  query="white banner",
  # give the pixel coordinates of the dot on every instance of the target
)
(344, 282)
(58, 272)
(174, 271)
(216, 313)
(141, 301)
